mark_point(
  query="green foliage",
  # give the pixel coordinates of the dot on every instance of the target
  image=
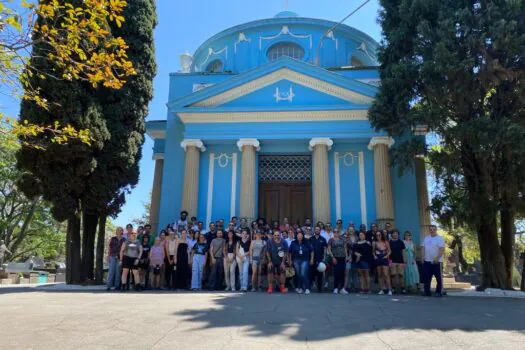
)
(458, 67)
(144, 217)
(26, 225)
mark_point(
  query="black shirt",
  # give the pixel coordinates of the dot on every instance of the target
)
(210, 236)
(319, 244)
(370, 236)
(365, 249)
(300, 251)
(396, 248)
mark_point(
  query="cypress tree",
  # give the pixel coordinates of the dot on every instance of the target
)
(458, 67)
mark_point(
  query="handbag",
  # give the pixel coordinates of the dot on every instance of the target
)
(289, 272)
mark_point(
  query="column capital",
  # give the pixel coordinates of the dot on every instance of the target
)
(249, 142)
(157, 156)
(194, 143)
(380, 140)
(316, 141)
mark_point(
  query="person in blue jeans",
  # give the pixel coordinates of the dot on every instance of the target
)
(199, 254)
(432, 250)
(115, 244)
(301, 254)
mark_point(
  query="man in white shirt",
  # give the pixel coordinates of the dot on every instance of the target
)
(432, 250)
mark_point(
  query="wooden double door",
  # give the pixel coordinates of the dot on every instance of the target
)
(285, 200)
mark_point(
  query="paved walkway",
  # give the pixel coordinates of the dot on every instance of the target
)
(39, 319)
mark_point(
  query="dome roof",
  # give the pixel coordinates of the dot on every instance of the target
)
(286, 14)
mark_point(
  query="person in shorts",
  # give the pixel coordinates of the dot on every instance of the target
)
(156, 259)
(364, 255)
(398, 257)
(257, 252)
(130, 254)
(277, 256)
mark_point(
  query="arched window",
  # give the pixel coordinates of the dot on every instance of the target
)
(215, 66)
(356, 62)
(285, 49)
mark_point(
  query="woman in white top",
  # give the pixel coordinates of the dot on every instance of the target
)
(169, 261)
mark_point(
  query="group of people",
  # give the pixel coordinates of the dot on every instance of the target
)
(272, 256)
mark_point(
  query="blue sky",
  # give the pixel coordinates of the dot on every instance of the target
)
(184, 25)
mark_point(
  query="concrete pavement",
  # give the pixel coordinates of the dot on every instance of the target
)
(39, 319)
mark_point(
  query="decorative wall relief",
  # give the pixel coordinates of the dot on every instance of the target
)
(283, 96)
(285, 31)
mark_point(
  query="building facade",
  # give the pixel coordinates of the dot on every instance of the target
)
(270, 119)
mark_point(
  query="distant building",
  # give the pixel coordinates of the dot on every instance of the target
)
(262, 123)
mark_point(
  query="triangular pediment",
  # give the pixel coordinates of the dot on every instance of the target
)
(284, 79)
(285, 82)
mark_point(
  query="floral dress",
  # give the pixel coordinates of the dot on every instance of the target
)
(411, 271)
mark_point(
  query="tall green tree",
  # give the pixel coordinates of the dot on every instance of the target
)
(457, 67)
(124, 111)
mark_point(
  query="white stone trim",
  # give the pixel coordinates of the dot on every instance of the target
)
(320, 141)
(242, 38)
(234, 185)
(156, 134)
(285, 30)
(157, 156)
(264, 117)
(211, 52)
(290, 75)
(337, 182)
(380, 140)
(249, 142)
(362, 188)
(193, 142)
(209, 202)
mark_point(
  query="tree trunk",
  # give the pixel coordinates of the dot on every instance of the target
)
(507, 244)
(73, 250)
(492, 259)
(523, 274)
(89, 232)
(101, 241)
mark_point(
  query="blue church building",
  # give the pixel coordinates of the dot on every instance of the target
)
(270, 119)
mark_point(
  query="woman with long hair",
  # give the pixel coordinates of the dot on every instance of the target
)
(256, 252)
(364, 255)
(243, 259)
(230, 263)
(181, 261)
(198, 256)
(338, 253)
(144, 263)
(301, 255)
(351, 275)
(381, 250)
(411, 271)
(130, 254)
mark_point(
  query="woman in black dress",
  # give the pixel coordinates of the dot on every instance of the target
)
(181, 261)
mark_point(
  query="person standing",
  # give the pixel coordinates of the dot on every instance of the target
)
(243, 259)
(301, 255)
(339, 254)
(217, 262)
(169, 259)
(198, 258)
(130, 252)
(398, 257)
(320, 246)
(144, 263)
(230, 263)
(276, 254)
(411, 271)
(156, 259)
(364, 255)
(182, 223)
(115, 243)
(432, 250)
(181, 261)
(351, 275)
(381, 255)
(256, 252)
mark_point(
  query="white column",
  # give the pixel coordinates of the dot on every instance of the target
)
(383, 180)
(248, 147)
(155, 193)
(319, 146)
(190, 193)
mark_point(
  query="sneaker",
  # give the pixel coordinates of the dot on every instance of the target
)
(226, 289)
(389, 292)
(108, 289)
(343, 291)
(233, 290)
(299, 291)
(381, 292)
(336, 291)
(283, 290)
(438, 295)
(307, 291)
(404, 291)
(368, 291)
(270, 289)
